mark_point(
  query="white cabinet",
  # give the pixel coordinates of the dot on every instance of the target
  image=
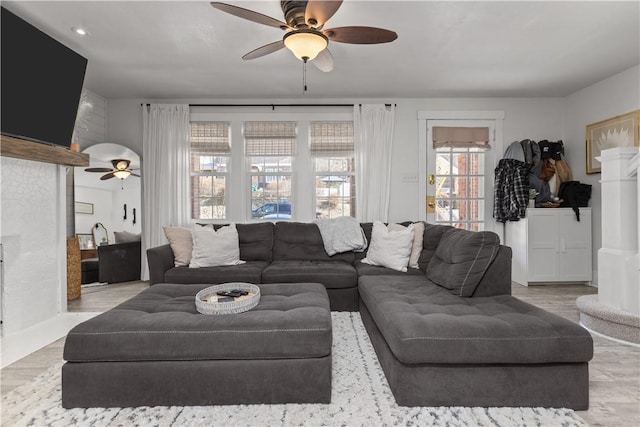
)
(550, 245)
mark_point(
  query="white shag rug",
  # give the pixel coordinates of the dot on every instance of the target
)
(360, 397)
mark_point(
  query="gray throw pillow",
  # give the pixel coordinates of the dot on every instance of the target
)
(461, 259)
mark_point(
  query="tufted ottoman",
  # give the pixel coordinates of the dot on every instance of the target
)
(156, 349)
(438, 349)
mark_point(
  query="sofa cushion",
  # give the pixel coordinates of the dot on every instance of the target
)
(250, 272)
(256, 240)
(364, 269)
(161, 323)
(302, 241)
(424, 323)
(461, 259)
(430, 241)
(332, 274)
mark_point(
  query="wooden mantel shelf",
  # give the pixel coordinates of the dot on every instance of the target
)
(29, 150)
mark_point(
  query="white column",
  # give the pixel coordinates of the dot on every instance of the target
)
(618, 282)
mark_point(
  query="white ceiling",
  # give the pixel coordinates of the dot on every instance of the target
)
(187, 49)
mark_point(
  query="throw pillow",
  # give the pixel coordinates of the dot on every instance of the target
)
(181, 243)
(461, 259)
(212, 248)
(418, 237)
(390, 248)
(126, 237)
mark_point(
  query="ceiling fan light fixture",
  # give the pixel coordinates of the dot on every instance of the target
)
(123, 174)
(305, 44)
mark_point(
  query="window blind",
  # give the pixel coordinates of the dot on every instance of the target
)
(270, 138)
(461, 137)
(331, 138)
(210, 138)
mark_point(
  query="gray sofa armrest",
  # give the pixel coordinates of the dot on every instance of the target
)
(497, 279)
(160, 260)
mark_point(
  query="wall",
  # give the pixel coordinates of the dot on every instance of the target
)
(128, 194)
(102, 201)
(615, 95)
(108, 207)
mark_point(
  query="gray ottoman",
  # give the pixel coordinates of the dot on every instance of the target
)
(156, 349)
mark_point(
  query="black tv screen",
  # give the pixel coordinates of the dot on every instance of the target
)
(41, 83)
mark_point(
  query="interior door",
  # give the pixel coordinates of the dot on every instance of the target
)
(460, 180)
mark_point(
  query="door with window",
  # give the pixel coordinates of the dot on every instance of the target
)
(460, 164)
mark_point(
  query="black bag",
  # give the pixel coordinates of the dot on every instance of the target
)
(574, 195)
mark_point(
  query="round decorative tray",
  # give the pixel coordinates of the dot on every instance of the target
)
(207, 299)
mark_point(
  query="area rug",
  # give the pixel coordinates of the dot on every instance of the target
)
(360, 397)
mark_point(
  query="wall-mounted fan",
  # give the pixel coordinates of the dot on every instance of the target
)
(120, 170)
(305, 35)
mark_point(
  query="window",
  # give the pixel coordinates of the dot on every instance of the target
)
(331, 146)
(210, 154)
(270, 150)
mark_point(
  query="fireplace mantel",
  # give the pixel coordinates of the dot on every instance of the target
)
(29, 150)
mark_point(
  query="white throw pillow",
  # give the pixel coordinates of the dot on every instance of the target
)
(213, 248)
(181, 243)
(418, 239)
(388, 248)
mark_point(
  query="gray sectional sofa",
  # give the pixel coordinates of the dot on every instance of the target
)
(446, 334)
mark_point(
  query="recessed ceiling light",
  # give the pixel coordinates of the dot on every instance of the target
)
(80, 31)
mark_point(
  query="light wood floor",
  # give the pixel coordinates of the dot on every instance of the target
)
(614, 371)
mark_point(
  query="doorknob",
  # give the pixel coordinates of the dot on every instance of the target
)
(432, 179)
(431, 204)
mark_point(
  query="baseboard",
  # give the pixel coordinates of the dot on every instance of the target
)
(20, 344)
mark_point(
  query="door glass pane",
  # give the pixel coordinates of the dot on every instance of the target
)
(443, 164)
(460, 190)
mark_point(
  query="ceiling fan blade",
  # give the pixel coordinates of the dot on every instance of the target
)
(98, 170)
(324, 61)
(249, 15)
(107, 176)
(135, 174)
(120, 164)
(360, 35)
(264, 50)
(318, 12)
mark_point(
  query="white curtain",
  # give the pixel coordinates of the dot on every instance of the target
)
(165, 175)
(373, 141)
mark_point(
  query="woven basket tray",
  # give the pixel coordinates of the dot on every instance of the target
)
(241, 304)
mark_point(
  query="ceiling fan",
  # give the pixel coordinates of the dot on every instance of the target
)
(120, 170)
(305, 35)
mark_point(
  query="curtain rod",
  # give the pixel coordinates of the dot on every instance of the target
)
(273, 106)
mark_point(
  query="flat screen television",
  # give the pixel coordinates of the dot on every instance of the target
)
(41, 83)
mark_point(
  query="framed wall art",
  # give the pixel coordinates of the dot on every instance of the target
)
(618, 131)
(84, 208)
